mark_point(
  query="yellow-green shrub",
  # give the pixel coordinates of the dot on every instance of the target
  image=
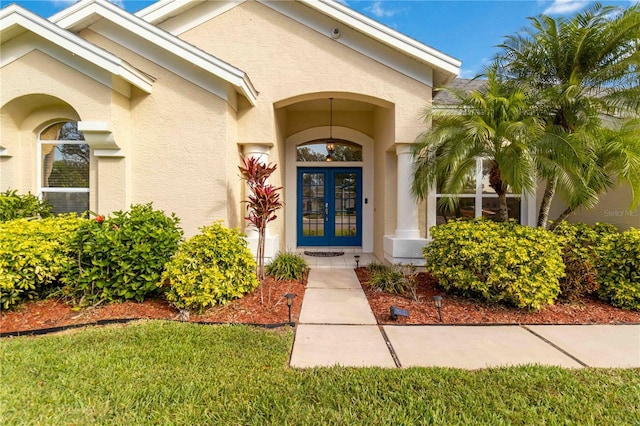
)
(210, 268)
(33, 255)
(503, 262)
(619, 270)
(22, 206)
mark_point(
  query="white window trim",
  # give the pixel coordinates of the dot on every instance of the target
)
(479, 195)
(42, 189)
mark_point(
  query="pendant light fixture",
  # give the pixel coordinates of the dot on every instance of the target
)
(331, 145)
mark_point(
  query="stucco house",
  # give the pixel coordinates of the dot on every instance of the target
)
(101, 109)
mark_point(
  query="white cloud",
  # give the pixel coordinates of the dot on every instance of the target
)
(467, 73)
(377, 9)
(560, 7)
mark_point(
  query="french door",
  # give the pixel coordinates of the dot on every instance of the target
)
(329, 211)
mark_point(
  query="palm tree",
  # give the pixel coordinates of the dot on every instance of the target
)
(617, 160)
(582, 68)
(491, 123)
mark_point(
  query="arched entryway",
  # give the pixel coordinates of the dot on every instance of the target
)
(331, 201)
(344, 198)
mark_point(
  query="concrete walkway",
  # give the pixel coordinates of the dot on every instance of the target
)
(337, 327)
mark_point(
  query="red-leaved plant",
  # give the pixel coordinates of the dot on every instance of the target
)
(262, 202)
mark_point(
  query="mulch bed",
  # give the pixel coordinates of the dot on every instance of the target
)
(461, 310)
(267, 305)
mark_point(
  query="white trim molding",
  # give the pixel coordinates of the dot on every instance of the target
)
(16, 21)
(98, 136)
(354, 30)
(126, 26)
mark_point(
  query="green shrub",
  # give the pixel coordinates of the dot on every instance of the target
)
(619, 270)
(374, 267)
(210, 268)
(287, 266)
(503, 262)
(121, 257)
(397, 279)
(33, 255)
(605, 229)
(580, 258)
(15, 206)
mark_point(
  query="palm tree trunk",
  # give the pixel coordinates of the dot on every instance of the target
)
(503, 209)
(545, 206)
(495, 182)
(560, 218)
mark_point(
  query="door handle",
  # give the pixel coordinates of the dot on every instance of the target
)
(326, 211)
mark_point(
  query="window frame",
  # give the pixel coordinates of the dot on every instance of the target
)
(479, 195)
(42, 189)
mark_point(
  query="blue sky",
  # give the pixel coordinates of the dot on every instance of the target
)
(467, 30)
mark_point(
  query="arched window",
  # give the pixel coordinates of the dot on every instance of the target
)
(64, 168)
(329, 150)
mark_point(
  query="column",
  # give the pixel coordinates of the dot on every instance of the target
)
(407, 224)
(405, 246)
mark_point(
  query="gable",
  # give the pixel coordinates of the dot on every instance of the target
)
(150, 42)
(23, 32)
(337, 22)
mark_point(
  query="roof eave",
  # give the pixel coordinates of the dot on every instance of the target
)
(14, 15)
(84, 12)
(386, 35)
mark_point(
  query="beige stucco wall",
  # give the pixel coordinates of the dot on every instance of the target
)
(36, 91)
(180, 144)
(287, 60)
(614, 207)
(177, 147)
(291, 59)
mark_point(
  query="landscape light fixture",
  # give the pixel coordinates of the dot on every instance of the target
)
(437, 300)
(357, 257)
(331, 145)
(395, 312)
(290, 297)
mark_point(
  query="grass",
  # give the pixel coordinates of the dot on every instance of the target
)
(177, 373)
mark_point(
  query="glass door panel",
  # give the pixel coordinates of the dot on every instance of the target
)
(313, 204)
(329, 207)
(345, 192)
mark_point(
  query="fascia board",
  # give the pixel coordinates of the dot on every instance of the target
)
(182, 20)
(356, 41)
(16, 16)
(165, 9)
(386, 35)
(163, 39)
(29, 42)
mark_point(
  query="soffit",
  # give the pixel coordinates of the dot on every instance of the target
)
(22, 32)
(156, 45)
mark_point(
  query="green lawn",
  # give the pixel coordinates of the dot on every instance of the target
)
(177, 373)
